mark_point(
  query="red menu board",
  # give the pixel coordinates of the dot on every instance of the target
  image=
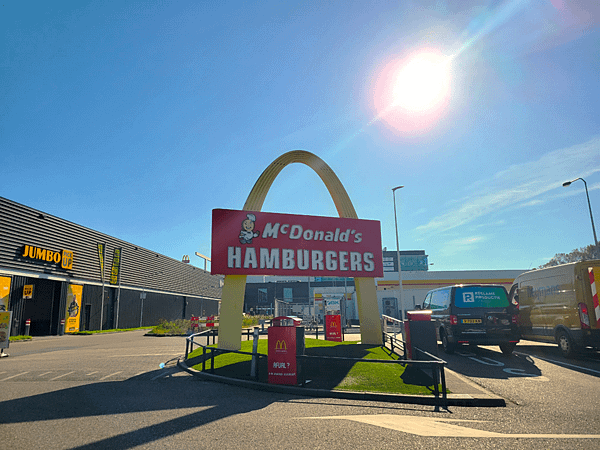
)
(282, 355)
(333, 327)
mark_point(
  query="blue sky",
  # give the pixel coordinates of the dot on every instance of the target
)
(136, 119)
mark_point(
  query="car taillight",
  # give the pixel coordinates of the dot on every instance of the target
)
(583, 315)
(515, 319)
(453, 320)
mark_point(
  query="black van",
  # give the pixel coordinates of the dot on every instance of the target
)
(473, 314)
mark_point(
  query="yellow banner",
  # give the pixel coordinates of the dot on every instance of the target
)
(5, 320)
(4, 293)
(74, 294)
(116, 266)
(101, 248)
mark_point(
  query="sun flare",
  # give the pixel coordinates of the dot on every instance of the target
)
(422, 83)
(411, 94)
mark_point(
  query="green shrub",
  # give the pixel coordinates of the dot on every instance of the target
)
(176, 327)
(253, 321)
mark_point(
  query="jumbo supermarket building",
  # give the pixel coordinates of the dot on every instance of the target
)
(52, 269)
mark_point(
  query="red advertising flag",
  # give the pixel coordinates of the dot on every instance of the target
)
(282, 355)
(333, 327)
(259, 243)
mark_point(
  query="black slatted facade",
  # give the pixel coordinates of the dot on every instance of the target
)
(172, 289)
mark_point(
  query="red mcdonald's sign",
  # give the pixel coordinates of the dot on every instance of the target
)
(258, 243)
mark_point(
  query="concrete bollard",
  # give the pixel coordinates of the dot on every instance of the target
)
(61, 331)
(27, 326)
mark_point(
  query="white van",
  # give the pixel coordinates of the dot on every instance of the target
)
(560, 304)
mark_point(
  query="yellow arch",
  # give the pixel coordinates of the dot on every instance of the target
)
(234, 287)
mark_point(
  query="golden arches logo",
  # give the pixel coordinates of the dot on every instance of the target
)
(333, 324)
(280, 345)
(234, 286)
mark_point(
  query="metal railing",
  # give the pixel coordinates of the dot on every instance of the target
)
(208, 334)
(209, 353)
(426, 360)
(391, 325)
(430, 362)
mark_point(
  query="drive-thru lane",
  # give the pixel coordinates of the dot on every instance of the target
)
(533, 374)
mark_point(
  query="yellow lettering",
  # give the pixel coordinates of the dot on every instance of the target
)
(40, 254)
(49, 255)
(25, 251)
(67, 260)
(57, 257)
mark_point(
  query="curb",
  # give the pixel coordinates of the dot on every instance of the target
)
(453, 399)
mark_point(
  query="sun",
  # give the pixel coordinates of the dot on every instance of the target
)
(411, 94)
(422, 83)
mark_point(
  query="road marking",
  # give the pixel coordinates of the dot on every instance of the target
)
(434, 427)
(14, 376)
(60, 376)
(45, 373)
(562, 363)
(104, 378)
(92, 373)
(519, 372)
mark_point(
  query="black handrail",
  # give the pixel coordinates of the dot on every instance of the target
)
(215, 351)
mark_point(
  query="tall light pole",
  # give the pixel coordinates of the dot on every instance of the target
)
(567, 183)
(400, 291)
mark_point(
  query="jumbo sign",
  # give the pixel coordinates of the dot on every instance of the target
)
(257, 243)
(65, 258)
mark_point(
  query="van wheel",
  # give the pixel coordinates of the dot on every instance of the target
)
(565, 344)
(446, 345)
(507, 347)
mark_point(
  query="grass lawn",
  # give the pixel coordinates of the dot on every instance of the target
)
(332, 373)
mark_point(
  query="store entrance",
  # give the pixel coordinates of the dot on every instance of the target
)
(43, 308)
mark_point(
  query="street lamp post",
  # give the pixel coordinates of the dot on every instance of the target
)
(567, 183)
(400, 291)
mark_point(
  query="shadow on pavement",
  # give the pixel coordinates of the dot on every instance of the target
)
(123, 397)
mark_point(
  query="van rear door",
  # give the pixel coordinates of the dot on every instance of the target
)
(483, 314)
(592, 294)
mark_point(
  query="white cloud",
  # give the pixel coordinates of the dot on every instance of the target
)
(521, 185)
(461, 245)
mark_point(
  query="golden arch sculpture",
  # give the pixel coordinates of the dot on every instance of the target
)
(234, 287)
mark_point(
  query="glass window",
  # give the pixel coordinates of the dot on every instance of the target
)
(288, 295)
(427, 301)
(440, 299)
(481, 297)
(262, 295)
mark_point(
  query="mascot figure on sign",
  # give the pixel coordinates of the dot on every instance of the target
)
(248, 233)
